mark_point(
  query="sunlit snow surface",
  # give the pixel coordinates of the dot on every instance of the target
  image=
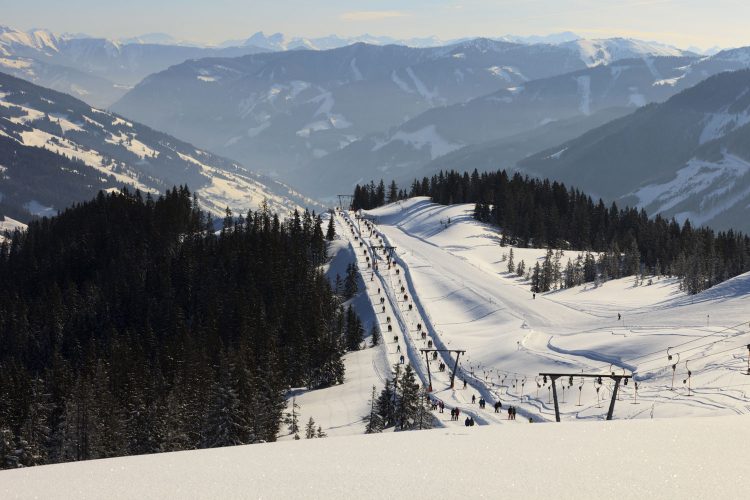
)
(668, 458)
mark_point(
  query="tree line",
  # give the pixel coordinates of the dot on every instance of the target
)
(547, 214)
(130, 325)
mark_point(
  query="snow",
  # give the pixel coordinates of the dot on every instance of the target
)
(15, 63)
(355, 70)
(636, 99)
(132, 144)
(425, 137)
(708, 180)
(500, 72)
(556, 156)
(326, 103)
(400, 83)
(9, 225)
(208, 79)
(119, 121)
(36, 208)
(584, 90)
(719, 124)
(65, 124)
(429, 95)
(60, 145)
(671, 458)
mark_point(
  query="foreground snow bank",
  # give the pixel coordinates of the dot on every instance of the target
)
(669, 458)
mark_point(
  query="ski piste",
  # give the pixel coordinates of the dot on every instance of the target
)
(386, 283)
(637, 344)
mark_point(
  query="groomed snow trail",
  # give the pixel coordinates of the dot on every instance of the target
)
(392, 294)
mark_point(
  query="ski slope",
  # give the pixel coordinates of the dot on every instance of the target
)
(457, 284)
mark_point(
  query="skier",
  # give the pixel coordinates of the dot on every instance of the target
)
(441, 405)
(498, 405)
(383, 308)
(402, 358)
(471, 421)
(390, 328)
(464, 383)
(619, 316)
(467, 422)
(429, 346)
(534, 295)
(473, 399)
(398, 349)
(395, 338)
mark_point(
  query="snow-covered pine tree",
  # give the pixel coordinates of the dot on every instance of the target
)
(310, 429)
(374, 420)
(511, 263)
(521, 269)
(292, 419)
(409, 400)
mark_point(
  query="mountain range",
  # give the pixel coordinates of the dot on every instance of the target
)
(56, 150)
(288, 113)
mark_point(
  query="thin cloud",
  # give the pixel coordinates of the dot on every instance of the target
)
(371, 15)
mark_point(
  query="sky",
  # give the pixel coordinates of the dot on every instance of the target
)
(683, 23)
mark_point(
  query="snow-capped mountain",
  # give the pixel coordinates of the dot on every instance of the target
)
(531, 109)
(281, 42)
(594, 52)
(96, 70)
(687, 158)
(56, 150)
(278, 111)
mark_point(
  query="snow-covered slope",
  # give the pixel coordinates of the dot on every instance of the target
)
(594, 52)
(456, 280)
(8, 226)
(688, 458)
(121, 152)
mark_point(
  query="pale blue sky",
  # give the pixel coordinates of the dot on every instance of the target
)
(702, 23)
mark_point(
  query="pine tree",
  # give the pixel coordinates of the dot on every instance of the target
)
(374, 420)
(331, 231)
(424, 419)
(511, 264)
(292, 419)
(409, 400)
(386, 405)
(521, 269)
(375, 335)
(351, 285)
(310, 429)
